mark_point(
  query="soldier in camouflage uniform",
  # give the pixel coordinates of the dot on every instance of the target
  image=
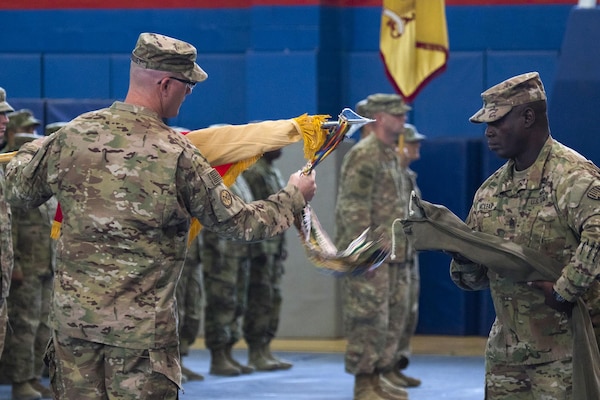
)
(30, 295)
(189, 305)
(20, 121)
(410, 274)
(261, 319)
(546, 197)
(6, 247)
(226, 267)
(375, 305)
(128, 186)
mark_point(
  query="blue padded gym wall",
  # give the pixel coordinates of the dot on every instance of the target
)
(575, 101)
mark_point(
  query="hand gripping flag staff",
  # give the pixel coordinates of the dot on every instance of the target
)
(231, 149)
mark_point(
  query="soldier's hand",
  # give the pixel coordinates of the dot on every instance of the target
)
(306, 184)
(552, 299)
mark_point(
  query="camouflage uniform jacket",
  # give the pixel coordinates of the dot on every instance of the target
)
(128, 186)
(6, 246)
(265, 179)
(554, 208)
(370, 194)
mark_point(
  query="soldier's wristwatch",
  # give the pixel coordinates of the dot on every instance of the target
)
(558, 297)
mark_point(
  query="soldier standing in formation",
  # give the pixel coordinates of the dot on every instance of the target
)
(226, 267)
(261, 319)
(375, 305)
(6, 247)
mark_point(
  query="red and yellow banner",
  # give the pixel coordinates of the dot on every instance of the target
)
(413, 43)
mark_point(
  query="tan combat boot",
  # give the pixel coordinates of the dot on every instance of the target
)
(408, 381)
(257, 359)
(364, 388)
(24, 391)
(245, 369)
(281, 364)
(389, 389)
(220, 365)
(46, 392)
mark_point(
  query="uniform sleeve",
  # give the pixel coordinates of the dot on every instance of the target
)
(218, 209)
(583, 215)
(26, 175)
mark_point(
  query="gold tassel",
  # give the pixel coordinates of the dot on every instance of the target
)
(313, 134)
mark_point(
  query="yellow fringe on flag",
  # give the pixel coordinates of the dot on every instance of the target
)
(313, 134)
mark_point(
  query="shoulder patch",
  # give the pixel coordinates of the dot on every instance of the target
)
(226, 199)
(594, 193)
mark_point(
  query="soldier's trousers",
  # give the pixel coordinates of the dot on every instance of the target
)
(225, 285)
(261, 319)
(28, 335)
(549, 381)
(375, 313)
(410, 274)
(83, 370)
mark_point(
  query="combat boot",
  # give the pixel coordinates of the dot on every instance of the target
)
(406, 381)
(190, 375)
(389, 388)
(364, 388)
(220, 365)
(281, 364)
(245, 369)
(24, 391)
(257, 359)
(44, 391)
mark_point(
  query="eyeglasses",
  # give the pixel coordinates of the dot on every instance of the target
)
(189, 84)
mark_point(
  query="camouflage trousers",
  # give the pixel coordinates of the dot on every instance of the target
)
(189, 305)
(261, 319)
(28, 333)
(410, 275)
(375, 313)
(226, 286)
(83, 370)
(549, 381)
(3, 322)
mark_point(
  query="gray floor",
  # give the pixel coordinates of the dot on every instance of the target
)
(321, 376)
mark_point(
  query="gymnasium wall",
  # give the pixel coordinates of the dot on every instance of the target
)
(280, 59)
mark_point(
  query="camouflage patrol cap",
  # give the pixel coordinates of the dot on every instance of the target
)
(22, 118)
(501, 98)
(4, 106)
(163, 53)
(388, 103)
(411, 134)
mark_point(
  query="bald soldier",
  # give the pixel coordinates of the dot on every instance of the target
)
(128, 186)
(545, 198)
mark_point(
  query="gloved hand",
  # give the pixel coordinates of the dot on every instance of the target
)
(552, 299)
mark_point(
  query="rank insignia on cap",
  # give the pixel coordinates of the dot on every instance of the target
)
(594, 193)
(226, 198)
